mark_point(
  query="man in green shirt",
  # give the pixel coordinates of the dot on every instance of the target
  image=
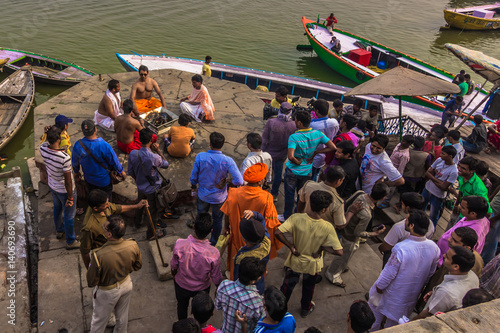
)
(464, 86)
(468, 184)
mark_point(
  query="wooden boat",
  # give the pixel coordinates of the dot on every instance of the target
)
(16, 96)
(485, 17)
(361, 59)
(45, 69)
(298, 86)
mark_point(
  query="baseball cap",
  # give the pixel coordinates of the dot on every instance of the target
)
(63, 120)
(88, 127)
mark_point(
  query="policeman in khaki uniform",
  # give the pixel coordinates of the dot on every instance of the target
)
(109, 271)
(92, 235)
(335, 213)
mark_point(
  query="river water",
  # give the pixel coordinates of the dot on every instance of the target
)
(261, 34)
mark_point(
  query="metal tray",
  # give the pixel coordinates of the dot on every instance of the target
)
(158, 129)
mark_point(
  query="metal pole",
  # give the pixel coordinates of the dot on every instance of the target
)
(472, 112)
(470, 101)
(400, 119)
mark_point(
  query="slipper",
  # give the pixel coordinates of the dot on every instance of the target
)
(159, 233)
(80, 211)
(169, 216)
(383, 205)
(338, 284)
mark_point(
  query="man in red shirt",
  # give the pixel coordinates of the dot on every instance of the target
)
(330, 23)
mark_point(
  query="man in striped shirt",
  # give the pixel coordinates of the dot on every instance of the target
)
(301, 152)
(62, 186)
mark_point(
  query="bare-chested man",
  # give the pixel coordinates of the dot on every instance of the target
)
(110, 107)
(127, 129)
(142, 90)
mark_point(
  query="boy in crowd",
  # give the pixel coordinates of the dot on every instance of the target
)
(345, 156)
(194, 264)
(257, 243)
(241, 295)
(276, 319)
(256, 155)
(400, 157)
(477, 140)
(311, 236)
(442, 174)
(371, 118)
(360, 317)
(202, 308)
(454, 140)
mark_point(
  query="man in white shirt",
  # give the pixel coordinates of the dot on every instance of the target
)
(398, 233)
(442, 173)
(62, 185)
(410, 266)
(449, 294)
(328, 126)
(256, 155)
(376, 165)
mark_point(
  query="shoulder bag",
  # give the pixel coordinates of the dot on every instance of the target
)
(115, 176)
(167, 193)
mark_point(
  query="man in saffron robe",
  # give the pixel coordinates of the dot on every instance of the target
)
(249, 197)
(198, 105)
(142, 90)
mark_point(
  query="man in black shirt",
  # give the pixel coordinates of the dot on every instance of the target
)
(344, 155)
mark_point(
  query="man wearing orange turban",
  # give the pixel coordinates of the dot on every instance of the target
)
(249, 197)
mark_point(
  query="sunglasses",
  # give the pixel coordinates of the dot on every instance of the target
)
(143, 74)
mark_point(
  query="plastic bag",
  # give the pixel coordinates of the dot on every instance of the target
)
(222, 243)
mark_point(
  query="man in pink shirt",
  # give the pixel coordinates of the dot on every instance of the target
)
(194, 263)
(474, 209)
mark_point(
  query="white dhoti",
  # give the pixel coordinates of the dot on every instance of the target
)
(107, 122)
(195, 111)
(104, 121)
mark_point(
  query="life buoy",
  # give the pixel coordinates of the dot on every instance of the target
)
(360, 75)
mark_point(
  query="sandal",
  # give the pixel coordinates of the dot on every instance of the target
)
(169, 216)
(80, 211)
(159, 233)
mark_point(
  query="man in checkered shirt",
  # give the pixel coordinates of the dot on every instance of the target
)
(241, 295)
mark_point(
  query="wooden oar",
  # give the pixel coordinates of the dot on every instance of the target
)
(156, 238)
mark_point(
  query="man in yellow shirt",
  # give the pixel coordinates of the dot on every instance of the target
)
(311, 236)
(281, 95)
(206, 70)
(179, 139)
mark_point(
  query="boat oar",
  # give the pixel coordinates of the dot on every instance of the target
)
(156, 237)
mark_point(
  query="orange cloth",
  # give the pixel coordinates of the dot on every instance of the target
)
(255, 199)
(180, 137)
(255, 173)
(145, 105)
(201, 95)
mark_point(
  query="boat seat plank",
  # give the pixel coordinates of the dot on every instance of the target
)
(71, 72)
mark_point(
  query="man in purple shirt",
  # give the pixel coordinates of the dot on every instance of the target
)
(474, 209)
(275, 142)
(143, 166)
(194, 263)
(210, 172)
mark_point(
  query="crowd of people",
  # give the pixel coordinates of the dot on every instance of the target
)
(337, 171)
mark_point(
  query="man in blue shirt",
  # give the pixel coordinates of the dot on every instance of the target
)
(210, 172)
(95, 175)
(301, 152)
(143, 166)
(451, 110)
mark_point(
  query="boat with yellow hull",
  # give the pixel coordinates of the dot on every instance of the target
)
(485, 17)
